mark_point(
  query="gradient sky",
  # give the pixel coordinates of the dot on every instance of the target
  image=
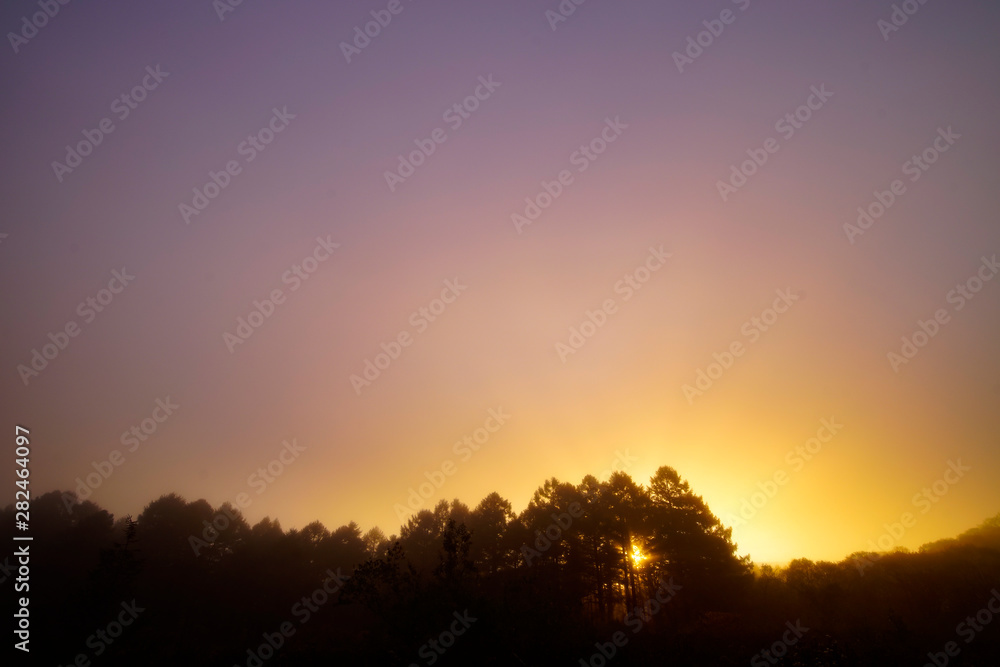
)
(495, 346)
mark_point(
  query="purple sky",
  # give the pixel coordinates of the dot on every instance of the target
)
(502, 341)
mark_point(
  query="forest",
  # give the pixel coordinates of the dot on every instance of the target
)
(597, 573)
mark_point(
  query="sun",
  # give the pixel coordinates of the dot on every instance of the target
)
(637, 556)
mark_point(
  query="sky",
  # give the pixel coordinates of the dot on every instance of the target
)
(620, 238)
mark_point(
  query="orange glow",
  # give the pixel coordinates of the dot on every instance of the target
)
(637, 556)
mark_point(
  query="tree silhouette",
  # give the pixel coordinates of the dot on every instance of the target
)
(492, 549)
(578, 564)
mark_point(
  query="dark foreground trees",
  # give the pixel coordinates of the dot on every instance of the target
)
(596, 573)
